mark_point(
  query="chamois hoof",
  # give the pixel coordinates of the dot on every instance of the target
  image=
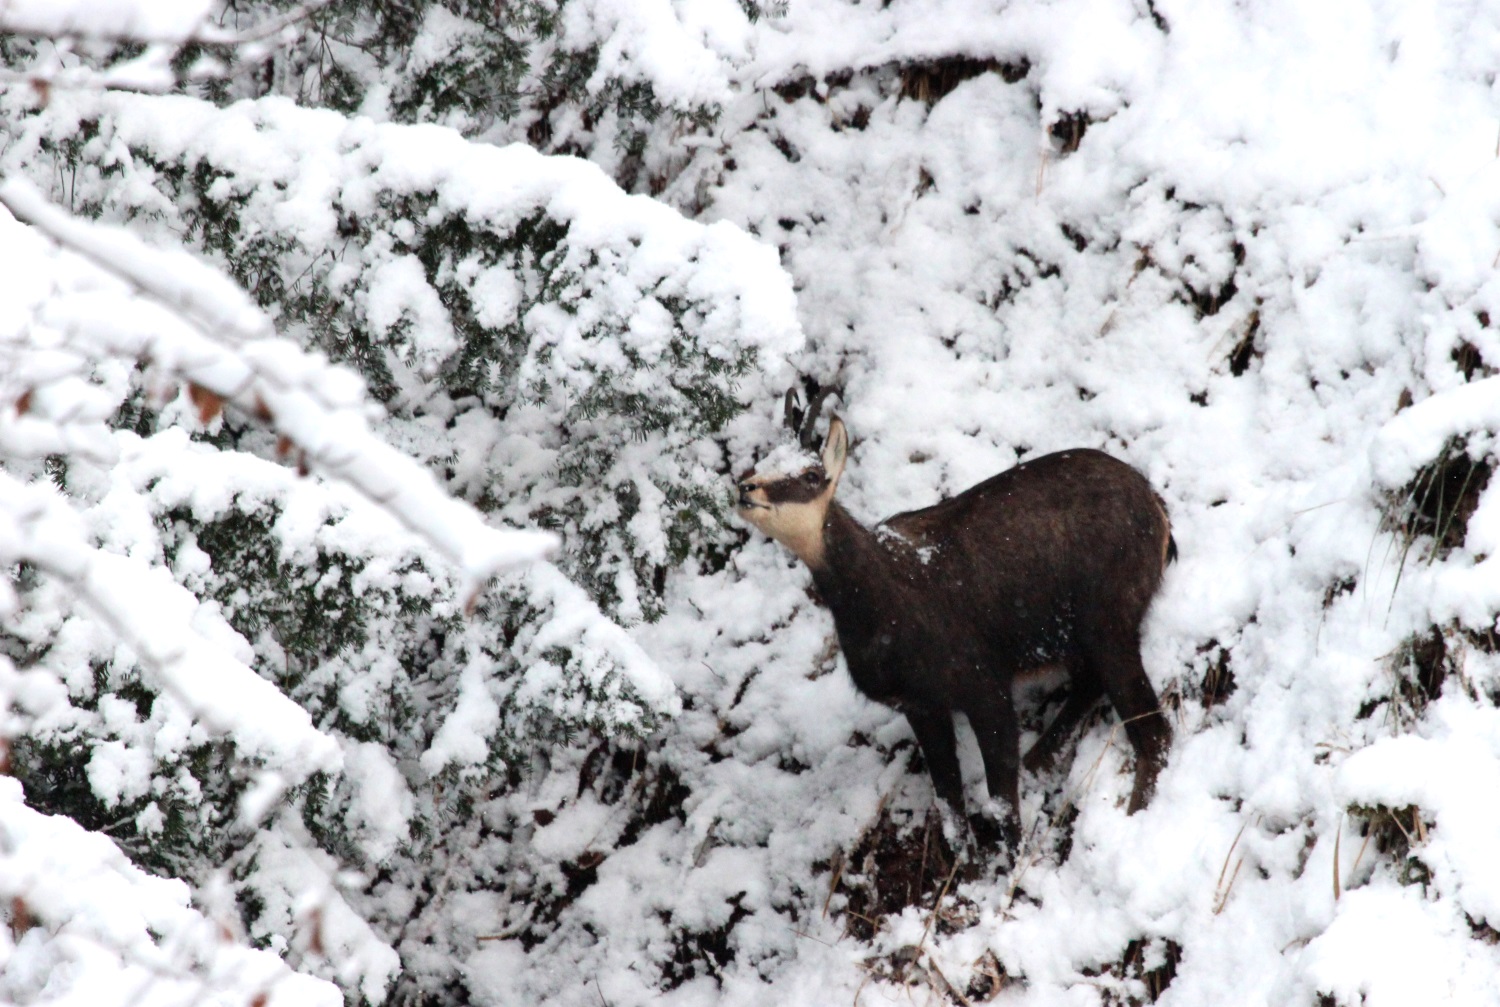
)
(1038, 760)
(1146, 771)
(995, 833)
(955, 828)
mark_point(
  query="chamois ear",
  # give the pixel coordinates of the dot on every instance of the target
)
(835, 450)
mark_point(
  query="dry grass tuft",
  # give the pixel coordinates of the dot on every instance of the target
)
(1438, 502)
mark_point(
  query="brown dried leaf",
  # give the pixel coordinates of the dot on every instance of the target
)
(315, 941)
(208, 403)
(21, 919)
(23, 404)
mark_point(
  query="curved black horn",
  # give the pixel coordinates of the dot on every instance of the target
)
(791, 412)
(803, 422)
(808, 435)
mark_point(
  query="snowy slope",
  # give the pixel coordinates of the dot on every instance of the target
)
(1250, 248)
(1226, 243)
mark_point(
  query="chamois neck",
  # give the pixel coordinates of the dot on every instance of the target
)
(853, 560)
(868, 587)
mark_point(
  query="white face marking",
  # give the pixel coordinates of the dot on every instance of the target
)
(796, 524)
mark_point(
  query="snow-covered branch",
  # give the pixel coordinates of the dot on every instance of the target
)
(161, 621)
(213, 337)
(1415, 436)
(143, 22)
(160, 27)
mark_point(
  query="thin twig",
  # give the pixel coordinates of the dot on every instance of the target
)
(264, 29)
(932, 917)
(1218, 884)
(1362, 847)
(861, 988)
(1069, 800)
(833, 884)
(1224, 903)
(948, 987)
(1221, 890)
(803, 933)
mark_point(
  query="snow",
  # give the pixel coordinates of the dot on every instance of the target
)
(1416, 435)
(1440, 775)
(1339, 159)
(1367, 953)
(786, 460)
(98, 930)
(301, 892)
(161, 621)
(1279, 219)
(382, 802)
(161, 20)
(680, 49)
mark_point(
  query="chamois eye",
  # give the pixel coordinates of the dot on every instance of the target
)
(812, 477)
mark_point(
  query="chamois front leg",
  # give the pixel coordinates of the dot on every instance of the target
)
(995, 728)
(934, 731)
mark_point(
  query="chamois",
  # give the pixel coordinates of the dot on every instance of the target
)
(1049, 564)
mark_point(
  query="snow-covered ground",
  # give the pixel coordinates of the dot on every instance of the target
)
(1252, 249)
(1277, 227)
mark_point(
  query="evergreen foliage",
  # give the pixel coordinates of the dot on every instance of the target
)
(535, 70)
(557, 355)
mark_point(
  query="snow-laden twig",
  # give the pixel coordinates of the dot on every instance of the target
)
(159, 620)
(149, 72)
(142, 21)
(161, 27)
(210, 34)
(139, 21)
(218, 341)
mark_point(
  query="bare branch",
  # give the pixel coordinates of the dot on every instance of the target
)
(208, 35)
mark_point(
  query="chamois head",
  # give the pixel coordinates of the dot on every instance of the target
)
(787, 494)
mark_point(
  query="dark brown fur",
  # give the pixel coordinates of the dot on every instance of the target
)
(1051, 563)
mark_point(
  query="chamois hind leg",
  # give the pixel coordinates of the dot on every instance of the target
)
(1084, 691)
(994, 722)
(1116, 665)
